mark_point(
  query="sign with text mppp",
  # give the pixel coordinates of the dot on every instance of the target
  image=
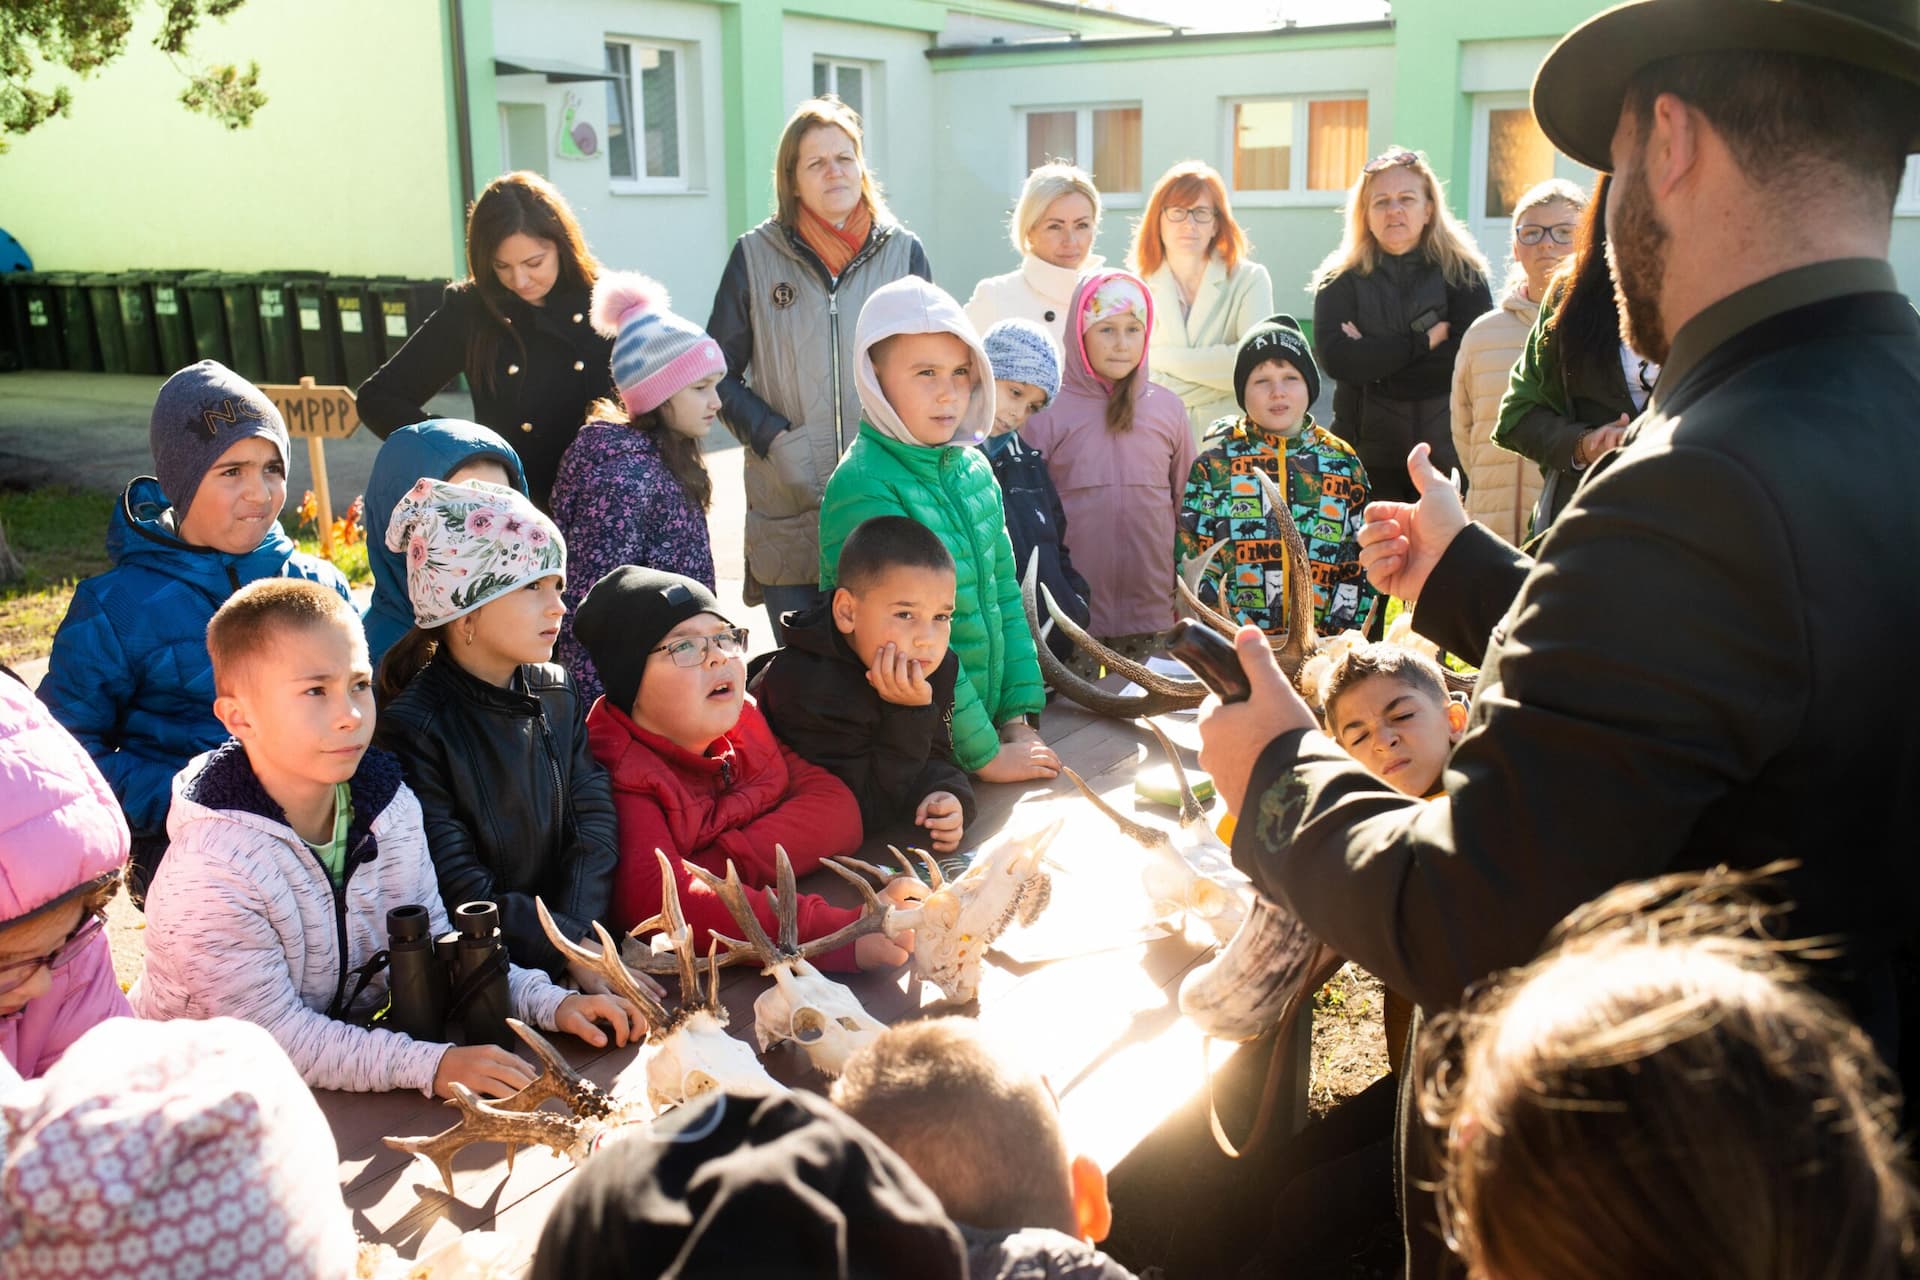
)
(317, 413)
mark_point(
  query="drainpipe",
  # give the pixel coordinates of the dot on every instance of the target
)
(462, 118)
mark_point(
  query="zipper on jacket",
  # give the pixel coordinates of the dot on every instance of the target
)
(833, 329)
(553, 771)
(353, 860)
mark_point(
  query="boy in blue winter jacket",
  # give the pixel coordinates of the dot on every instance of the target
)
(129, 675)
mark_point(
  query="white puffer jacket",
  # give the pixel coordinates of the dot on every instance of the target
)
(242, 922)
(1502, 486)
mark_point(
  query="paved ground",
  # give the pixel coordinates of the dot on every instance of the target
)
(89, 430)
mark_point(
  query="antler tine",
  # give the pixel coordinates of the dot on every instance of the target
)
(873, 916)
(935, 880)
(557, 1079)
(786, 910)
(678, 932)
(868, 898)
(1075, 686)
(1139, 832)
(731, 892)
(1300, 639)
(481, 1122)
(1189, 588)
(1144, 676)
(846, 861)
(605, 962)
(1190, 810)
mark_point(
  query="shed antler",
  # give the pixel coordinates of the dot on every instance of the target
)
(1161, 693)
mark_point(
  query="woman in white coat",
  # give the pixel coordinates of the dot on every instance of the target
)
(1053, 229)
(1206, 293)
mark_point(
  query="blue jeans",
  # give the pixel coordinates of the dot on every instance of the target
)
(789, 599)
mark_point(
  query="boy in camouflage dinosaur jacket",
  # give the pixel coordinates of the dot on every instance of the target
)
(1275, 379)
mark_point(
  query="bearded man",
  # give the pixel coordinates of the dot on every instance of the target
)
(1708, 662)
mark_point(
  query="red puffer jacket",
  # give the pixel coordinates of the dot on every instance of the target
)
(744, 794)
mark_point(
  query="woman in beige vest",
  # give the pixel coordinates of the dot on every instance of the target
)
(784, 318)
(1505, 485)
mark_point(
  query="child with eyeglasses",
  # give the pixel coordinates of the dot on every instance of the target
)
(63, 844)
(697, 772)
(489, 732)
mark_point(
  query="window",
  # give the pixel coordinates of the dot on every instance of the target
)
(1519, 157)
(1103, 140)
(1908, 201)
(847, 81)
(1298, 144)
(646, 133)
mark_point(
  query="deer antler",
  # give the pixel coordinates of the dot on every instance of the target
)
(1149, 837)
(607, 963)
(517, 1120)
(1188, 585)
(1300, 641)
(1190, 810)
(1162, 694)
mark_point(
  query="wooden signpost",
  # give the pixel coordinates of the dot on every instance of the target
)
(317, 413)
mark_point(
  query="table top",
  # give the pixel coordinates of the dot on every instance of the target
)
(1088, 995)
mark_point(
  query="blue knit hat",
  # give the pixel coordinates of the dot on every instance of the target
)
(656, 354)
(203, 411)
(1022, 351)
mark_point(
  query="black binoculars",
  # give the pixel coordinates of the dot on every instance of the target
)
(452, 989)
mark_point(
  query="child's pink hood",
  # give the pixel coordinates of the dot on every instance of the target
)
(1076, 374)
(60, 827)
(911, 305)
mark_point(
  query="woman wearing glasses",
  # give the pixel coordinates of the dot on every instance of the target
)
(1053, 228)
(1506, 485)
(1577, 384)
(1390, 306)
(63, 844)
(1206, 293)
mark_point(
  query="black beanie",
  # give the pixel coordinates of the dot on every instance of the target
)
(1275, 338)
(626, 614)
(743, 1185)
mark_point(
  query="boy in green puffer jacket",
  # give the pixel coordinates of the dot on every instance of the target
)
(926, 398)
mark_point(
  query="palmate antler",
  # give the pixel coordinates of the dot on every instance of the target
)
(517, 1120)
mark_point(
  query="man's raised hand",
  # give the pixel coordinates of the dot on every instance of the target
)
(1402, 541)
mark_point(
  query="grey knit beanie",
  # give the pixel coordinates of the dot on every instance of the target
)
(1022, 351)
(203, 411)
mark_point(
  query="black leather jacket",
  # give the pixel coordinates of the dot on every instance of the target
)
(514, 804)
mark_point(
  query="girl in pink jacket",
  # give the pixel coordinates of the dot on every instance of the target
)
(63, 843)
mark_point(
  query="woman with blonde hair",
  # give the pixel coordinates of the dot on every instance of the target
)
(1390, 306)
(785, 309)
(1506, 485)
(1053, 228)
(1193, 256)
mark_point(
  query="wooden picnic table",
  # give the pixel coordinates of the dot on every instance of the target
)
(1104, 1025)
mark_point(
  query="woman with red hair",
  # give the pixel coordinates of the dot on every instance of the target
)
(1206, 291)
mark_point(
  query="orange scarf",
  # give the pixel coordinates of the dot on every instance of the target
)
(835, 246)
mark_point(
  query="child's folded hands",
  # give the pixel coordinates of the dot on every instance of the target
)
(941, 815)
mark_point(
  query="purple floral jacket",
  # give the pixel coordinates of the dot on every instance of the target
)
(616, 503)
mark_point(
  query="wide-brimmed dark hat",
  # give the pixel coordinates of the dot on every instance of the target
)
(1579, 89)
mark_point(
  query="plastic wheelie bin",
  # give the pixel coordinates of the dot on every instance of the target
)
(138, 325)
(77, 342)
(361, 347)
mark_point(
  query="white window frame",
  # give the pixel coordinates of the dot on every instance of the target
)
(869, 78)
(1082, 144)
(1907, 203)
(683, 58)
(1296, 195)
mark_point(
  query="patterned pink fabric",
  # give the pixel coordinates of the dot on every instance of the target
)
(169, 1150)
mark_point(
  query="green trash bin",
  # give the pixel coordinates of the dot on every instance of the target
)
(138, 325)
(404, 306)
(13, 323)
(173, 327)
(39, 308)
(280, 324)
(206, 316)
(240, 303)
(103, 300)
(361, 348)
(317, 325)
(78, 344)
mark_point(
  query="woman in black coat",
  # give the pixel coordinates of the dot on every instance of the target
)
(517, 326)
(1389, 309)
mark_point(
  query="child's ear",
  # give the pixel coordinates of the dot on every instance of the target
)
(1456, 719)
(843, 611)
(1092, 1211)
(232, 712)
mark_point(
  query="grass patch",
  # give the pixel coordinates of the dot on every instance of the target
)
(60, 536)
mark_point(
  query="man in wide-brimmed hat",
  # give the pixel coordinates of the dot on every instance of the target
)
(1708, 662)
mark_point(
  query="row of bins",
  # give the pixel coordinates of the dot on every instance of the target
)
(268, 326)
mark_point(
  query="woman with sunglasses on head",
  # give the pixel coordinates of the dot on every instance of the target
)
(63, 845)
(1577, 384)
(1506, 485)
(1390, 306)
(1206, 292)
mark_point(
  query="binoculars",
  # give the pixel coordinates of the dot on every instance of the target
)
(451, 989)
